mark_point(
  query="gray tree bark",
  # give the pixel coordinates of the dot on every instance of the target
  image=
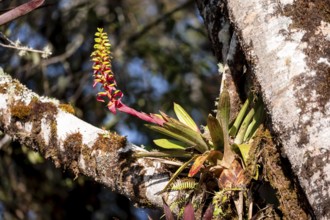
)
(287, 46)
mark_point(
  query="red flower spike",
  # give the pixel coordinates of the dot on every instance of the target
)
(103, 75)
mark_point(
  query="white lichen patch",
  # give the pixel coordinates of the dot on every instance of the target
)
(4, 107)
(46, 130)
(285, 2)
(68, 124)
(81, 162)
(153, 185)
(323, 60)
(28, 127)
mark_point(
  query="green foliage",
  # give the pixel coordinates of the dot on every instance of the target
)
(217, 153)
(184, 117)
(184, 184)
(169, 144)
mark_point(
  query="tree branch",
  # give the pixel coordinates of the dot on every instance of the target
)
(43, 124)
(20, 11)
(287, 46)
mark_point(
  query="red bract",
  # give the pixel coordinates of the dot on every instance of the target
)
(104, 76)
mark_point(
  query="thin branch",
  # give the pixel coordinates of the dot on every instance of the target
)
(160, 19)
(20, 11)
(134, 37)
(23, 49)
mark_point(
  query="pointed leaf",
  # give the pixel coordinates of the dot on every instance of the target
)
(244, 150)
(198, 163)
(228, 154)
(188, 133)
(242, 130)
(223, 113)
(184, 117)
(209, 212)
(188, 213)
(167, 211)
(170, 133)
(216, 132)
(170, 144)
(233, 130)
(171, 153)
(257, 119)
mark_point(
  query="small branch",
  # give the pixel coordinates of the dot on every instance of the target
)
(154, 23)
(23, 49)
(20, 11)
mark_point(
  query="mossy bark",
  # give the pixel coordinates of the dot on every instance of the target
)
(286, 48)
(41, 124)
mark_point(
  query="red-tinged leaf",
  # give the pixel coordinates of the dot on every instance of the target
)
(167, 211)
(208, 213)
(214, 156)
(198, 163)
(188, 213)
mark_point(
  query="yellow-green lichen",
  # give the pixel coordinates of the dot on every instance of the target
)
(67, 108)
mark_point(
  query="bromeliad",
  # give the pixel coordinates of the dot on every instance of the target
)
(104, 76)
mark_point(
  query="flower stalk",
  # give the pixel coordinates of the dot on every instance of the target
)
(103, 75)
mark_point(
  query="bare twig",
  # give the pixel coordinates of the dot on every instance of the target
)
(20, 11)
(7, 43)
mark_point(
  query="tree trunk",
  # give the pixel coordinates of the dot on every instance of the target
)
(287, 46)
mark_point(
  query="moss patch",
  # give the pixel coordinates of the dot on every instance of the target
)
(291, 205)
(110, 142)
(3, 88)
(72, 148)
(67, 108)
(312, 91)
(21, 111)
(33, 113)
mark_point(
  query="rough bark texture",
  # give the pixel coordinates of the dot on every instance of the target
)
(287, 44)
(46, 126)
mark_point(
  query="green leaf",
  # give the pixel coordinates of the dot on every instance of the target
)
(257, 119)
(233, 130)
(244, 150)
(170, 144)
(170, 153)
(223, 113)
(242, 130)
(186, 132)
(184, 117)
(216, 132)
(170, 133)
